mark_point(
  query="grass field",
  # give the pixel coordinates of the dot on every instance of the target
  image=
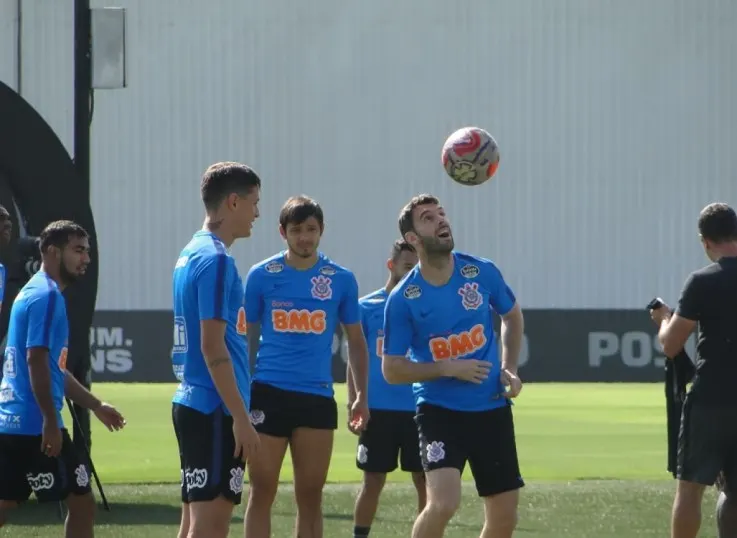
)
(593, 456)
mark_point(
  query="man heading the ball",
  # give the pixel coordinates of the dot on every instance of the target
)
(294, 301)
(392, 429)
(442, 313)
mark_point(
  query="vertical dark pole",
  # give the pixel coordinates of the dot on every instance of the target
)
(79, 352)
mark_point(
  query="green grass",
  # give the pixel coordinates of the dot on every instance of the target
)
(593, 456)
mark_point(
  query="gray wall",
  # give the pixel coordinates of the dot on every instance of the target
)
(615, 120)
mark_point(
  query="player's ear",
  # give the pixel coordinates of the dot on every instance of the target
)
(390, 264)
(232, 201)
(282, 232)
(411, 238)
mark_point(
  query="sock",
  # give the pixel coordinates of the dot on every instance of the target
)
(361, 532)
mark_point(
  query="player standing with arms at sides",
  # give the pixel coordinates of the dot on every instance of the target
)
(36, 452)
(392, 427)
(294, 301)
(210, 358)
(441, 312)
(707, 442)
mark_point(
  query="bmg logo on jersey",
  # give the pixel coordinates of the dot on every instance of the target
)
(298, 321)
(458, 345)
(180, 336)
(10, 364)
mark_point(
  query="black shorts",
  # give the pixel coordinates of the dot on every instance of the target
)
(279, 412)
(206, 446)
(24, 468)
(390, 435)
(483, 438)
(707, 444)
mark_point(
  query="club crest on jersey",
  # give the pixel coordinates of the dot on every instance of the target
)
(321, 288)
(470, 271)
(412, 292)
(274, 267)
(327, 270)
(471, 298)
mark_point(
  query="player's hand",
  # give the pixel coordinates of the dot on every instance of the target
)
(51, 439)
(110, 417)
(471, 370)
(661, 313)
(511, 382)
(358, 416)
(247, 442)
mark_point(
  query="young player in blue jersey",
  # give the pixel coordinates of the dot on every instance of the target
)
(36, 452)
(210, 358)
(294, 302)
(442, 312)
(392, 428)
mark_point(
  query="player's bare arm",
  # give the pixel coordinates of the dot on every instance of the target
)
(674, 330)
(398, 369)
(40, 377)
(220, 366)
(357, 374)
(106, 413)
(512, 333)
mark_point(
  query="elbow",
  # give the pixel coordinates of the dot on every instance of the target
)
(670, 349)
(389, 370)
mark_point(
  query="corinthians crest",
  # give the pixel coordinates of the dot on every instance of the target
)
(471, 298)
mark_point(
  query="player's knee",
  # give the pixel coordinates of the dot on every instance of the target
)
(443, 508)
(373, 483)
(262, 492)
(309, 494)
(81, 507)
(210, 528)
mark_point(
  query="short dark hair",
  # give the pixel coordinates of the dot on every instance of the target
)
(225, 178)
(4, 213)
(298, 209)
(718, 223)
(399, 246)
(406, 224)
(58, 233)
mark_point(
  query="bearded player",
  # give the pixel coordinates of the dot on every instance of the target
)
(294, 302)
(392, 432)
(441, 312)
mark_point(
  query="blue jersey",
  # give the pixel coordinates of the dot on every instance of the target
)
(38, 319)
(207, 286)
(299, 312)
(451, 321)
(382, 395)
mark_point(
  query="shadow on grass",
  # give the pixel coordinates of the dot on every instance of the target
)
(49, 514)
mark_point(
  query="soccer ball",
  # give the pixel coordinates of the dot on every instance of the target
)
(470, 156)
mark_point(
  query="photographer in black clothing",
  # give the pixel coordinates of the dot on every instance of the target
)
(707, 441)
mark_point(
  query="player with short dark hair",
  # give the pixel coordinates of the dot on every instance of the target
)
(392, 433)
(294, 301)
(210, 358)
(707, 443)
(442, 313)
(36, 452)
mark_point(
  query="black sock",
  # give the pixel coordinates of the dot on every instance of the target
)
(361, 532)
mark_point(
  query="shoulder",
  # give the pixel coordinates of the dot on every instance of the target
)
(270, 266)
(471, 267)
(375, 299)
(329, 268)
(203, 252)
(408, 289)
(40, 289)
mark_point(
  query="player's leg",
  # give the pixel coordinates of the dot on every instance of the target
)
(726, 510)
(271, 419)
(495, 466)
(14, 464)
(376, 455)
(316, 419)
(700, 460)
(213, 479)
(443, 459)
(184, 521)
(410, 460)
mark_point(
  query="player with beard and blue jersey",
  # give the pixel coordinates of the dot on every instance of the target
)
(391, 434)
(442, 312)
(294, 303)
(210, 358)
(36, 451)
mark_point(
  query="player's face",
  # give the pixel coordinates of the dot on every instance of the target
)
(74, 259)
(6, 229)
(303, 238)
(433, 229)
(402, 265)
(245, 209)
